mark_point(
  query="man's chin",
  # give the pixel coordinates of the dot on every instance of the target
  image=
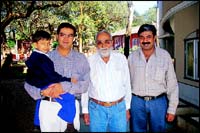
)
(105, 55)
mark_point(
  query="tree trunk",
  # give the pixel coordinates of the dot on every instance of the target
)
(80, 44)
(128, 28)
(126, 48)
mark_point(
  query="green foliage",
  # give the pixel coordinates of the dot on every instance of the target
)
(54, 44)
(92, 16)
(148, 17)
(32, 47)
(39, 20)
(134, 48)
(11, 43)
(88, 17)
(121, 50)
(23, 17)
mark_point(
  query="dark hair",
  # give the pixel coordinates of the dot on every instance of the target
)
(40, 34)
(66, 25)
(147, 27)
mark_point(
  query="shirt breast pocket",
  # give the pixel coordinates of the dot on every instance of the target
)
(117, 74)
(160, 73)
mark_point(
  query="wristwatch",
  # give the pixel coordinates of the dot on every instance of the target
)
(41, 93)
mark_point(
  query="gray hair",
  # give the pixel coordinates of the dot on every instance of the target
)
(103, 31)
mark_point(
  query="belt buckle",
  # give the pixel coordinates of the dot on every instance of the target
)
(50, 99)
(146, 98)
(107, 104)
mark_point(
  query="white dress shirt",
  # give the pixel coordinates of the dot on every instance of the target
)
(109, 81)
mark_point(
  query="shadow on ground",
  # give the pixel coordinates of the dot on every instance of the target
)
(18, 106)
(18, 109)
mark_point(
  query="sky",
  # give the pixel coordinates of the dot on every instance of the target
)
(142, 6)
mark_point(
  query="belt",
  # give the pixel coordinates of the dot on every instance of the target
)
(107, 104)
(49, 99)
(147, 98)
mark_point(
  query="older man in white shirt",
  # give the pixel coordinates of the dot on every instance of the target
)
(106, 104)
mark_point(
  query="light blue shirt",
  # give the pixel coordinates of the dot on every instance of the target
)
(73, 65)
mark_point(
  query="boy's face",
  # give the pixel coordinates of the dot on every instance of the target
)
(43, 45)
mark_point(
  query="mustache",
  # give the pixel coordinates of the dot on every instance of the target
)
(145, 43)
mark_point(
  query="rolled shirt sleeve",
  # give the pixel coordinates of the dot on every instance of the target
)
(33, 91)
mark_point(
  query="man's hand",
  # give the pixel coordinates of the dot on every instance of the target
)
(170, 117)
(86, 119)
(74, 80)
(128, 115)
(45, 92)
(55, 90)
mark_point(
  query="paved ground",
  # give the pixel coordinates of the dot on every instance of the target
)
(18, 109)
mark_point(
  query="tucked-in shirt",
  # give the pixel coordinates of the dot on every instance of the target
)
(109, 81)
(154, 77)
(73, 65)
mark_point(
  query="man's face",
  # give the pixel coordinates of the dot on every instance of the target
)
(147, 40)
(65, 38)
(104, 44)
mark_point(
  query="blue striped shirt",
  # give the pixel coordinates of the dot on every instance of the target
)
(75, 65)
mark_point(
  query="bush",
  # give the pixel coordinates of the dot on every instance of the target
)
(11, 43)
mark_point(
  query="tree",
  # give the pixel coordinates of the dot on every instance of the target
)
(148, 17)
(92, 16)
(128, 27)
(13, 10)
(88, 17)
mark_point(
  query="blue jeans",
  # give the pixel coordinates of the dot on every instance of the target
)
(103, 119)
(36, 115)
(148, 115)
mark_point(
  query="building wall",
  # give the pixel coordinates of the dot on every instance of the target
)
(186, 21)
(134, 40)
(118, 41)
(183, 23)
(169, 4)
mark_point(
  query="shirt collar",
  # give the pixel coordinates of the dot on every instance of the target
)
(35, 50)
(156, 51)
(71, 53)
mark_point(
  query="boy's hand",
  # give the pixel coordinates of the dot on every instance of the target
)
(55, 90)
(74, 80)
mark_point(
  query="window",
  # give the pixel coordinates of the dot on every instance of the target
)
(191, 57)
